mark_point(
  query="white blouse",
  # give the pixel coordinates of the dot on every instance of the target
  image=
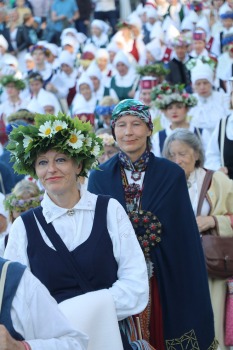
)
(195, 182)
(130, 291)
(213, 156)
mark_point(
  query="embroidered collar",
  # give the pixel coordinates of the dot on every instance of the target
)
(135, 167)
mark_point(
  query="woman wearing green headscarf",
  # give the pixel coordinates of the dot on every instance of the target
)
(154, 193)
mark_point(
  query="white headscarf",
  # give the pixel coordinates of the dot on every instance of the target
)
(202, 71)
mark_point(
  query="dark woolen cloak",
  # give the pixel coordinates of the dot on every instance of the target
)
(178, 259)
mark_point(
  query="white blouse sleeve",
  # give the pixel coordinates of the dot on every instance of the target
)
(16, 249)
(155, 145)
(130, 292)
(213, 157)
(36, 316)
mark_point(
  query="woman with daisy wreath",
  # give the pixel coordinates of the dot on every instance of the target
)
(175, 103)
(75, 242)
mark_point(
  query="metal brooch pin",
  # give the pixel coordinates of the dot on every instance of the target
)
(70, 212)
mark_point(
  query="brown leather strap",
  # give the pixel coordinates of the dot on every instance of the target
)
(204, 189)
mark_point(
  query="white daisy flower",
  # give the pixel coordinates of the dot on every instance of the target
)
(46, 130)
(76, 139)
(95, 164)
(108, 140)
(88, 141)
(95, 150)
(59, 125)
(26, 141)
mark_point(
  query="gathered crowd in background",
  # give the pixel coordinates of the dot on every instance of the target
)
(139, 85)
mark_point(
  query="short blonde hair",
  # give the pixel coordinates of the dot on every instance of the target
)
(108, 101)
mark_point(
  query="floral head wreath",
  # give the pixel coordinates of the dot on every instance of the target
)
(211, 61)
(165, 94)
(10, 79)
(61, 133)
(108, 140)
(40, 47)
(13, 203)
(154, 70)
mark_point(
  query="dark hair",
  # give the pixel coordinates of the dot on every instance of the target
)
(35, 76)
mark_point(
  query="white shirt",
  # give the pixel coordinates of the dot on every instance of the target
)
(46, 98)
(8, 107)
(208, 112)
(63, 82)
(104, 5)
(216, 46)
(224, 67)
(204, 53)
(81, 105)
(195, 182)
(213, 156)
(124, 81)
(130, 291)
(36, 316)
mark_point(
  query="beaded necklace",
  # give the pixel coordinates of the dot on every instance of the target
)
(136, 167)
(146, 225)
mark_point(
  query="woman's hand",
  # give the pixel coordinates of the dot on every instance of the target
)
(205, 222)
(7, 342)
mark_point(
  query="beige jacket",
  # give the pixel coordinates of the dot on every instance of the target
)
(220, 198)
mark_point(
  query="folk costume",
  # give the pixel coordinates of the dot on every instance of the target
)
(79, 103)
(65, 84)
(178, 72)
(8, 106)
(121, 85)
(163, 96)
(169, 238)
(95, 234)
(209, 110)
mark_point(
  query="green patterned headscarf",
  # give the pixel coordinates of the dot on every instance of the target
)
(132, 107)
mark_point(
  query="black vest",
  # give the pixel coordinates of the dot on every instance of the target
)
(227, 151)
(94, 257)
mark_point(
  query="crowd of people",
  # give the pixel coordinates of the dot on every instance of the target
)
(97, 103)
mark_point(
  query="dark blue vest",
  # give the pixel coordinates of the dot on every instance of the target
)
(94, 257)
(13, 277)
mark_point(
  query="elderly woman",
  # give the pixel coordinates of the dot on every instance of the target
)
(92, 233)
(184, 148)
(149, 188)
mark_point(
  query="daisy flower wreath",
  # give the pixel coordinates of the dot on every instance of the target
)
(61, 133)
